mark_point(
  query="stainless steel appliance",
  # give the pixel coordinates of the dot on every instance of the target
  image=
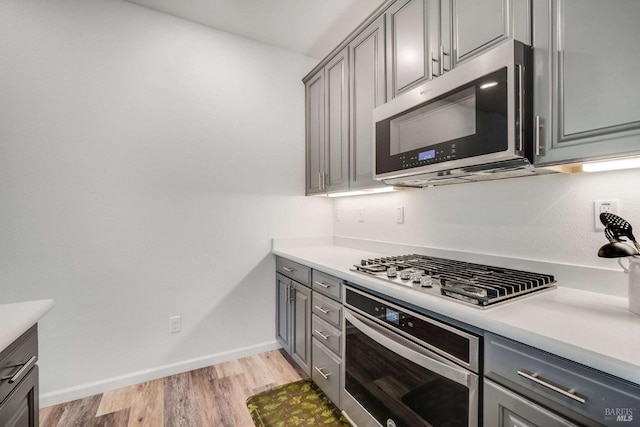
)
(480, 285)
(470, 124)
(403, 369)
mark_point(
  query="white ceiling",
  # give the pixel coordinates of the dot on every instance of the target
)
(310, 27)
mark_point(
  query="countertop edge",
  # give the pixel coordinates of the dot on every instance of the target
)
(17, 318)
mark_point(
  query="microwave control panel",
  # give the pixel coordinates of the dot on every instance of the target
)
(429, 156)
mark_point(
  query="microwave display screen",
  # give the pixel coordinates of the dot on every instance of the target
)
(426, 155)
(466, 122)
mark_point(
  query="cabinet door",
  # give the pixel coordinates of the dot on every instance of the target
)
(314, 91)
(470, 27)
(283, 312)
(586, 60)
(337, 123)
(20, 408)
(407, 46)
(503, 408)
(301, 324)
(367, 80)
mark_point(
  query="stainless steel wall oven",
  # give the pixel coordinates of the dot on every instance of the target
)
(405, 369)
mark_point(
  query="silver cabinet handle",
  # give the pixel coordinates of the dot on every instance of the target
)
(325, 376)
(24, 368)
(568, 393)
(322, 309)
(319, 180)
(431, 68)
(288, 296)
(290, 270)
(442, 55)
(520, 106)
(319, 333)
(537, 135)
(324, 285)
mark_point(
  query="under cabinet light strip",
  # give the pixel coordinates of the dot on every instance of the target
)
(611, 165)
(361, 192)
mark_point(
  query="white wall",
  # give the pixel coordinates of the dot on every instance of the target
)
(145, 164)
(544, 218)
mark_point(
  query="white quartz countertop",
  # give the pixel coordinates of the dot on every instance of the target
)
(593, 329)
(18, 317)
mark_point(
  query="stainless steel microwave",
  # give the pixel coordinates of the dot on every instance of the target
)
(470, 124)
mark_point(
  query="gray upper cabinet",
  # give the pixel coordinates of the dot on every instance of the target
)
(327, 127)
(314, 89)
(367, 78)
(337, 123)
(470, 27)
(407, 45)
(586, 59)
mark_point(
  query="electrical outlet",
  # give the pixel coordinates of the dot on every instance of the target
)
(602, 206)
(337, 214)
(175, 324)
(360, 214)
(399, 214)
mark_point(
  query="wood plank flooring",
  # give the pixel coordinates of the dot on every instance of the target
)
(212, 396)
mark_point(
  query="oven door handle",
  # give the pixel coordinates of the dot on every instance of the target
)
(407, 349)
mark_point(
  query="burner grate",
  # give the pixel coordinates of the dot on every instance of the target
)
(474, 283)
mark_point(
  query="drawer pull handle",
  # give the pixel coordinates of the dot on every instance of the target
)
(290, 270)
(323, 336)
(568, 393)
(322, 309)
(324, 285)
(321, 372)
(25, 367)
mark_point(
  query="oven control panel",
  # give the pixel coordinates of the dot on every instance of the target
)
(427, 332)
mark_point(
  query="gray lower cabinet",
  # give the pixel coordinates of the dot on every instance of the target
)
(586, 56)
(19, 382)
(503, 408)
(368, 90)
(293, 320)
(326, 371)
(301, 326)
(525, 386)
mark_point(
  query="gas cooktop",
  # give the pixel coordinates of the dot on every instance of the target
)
(477, 284)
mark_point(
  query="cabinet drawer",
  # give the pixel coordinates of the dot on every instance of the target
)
(326, 371)
(326, 284)
(293, 270)
(556, 382)
(327, 310)
(327, 334)
(16, 361)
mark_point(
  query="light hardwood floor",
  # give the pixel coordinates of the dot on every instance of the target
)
(212, 396)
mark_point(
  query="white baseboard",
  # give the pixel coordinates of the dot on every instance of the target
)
(98, 387)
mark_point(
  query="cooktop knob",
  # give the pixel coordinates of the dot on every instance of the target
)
(391, 272)
(405, 274)
(425, 282)
(416, 276)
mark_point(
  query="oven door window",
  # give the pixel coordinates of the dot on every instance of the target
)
(390, 386)
(466, 122)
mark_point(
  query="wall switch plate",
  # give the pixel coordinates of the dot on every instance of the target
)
(360, 214)
(337, 214)
(399, 214)
(175, 324)
(602, 206)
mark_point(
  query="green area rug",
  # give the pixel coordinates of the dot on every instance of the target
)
(296, 404)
